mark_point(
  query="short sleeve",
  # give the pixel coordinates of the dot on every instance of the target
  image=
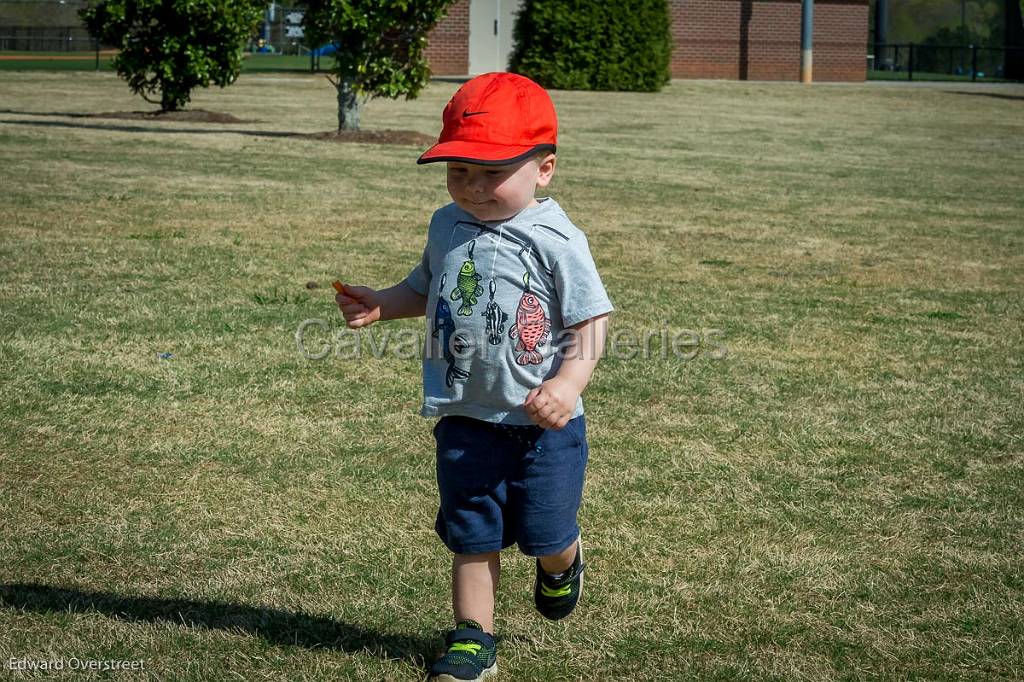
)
(419, 279)
(580, 291)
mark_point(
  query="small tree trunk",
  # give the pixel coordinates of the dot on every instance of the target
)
(348, 105)
(167, 102)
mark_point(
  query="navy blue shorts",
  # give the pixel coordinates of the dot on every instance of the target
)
(502, 485)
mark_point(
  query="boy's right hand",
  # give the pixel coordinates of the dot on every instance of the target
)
(359, 305)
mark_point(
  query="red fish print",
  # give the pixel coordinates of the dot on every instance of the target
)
(531, 328)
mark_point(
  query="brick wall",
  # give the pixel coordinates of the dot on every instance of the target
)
(744, 39)
(760, 39)
(841, 53)
(448, 44)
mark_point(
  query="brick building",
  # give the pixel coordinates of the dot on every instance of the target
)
(736, 39)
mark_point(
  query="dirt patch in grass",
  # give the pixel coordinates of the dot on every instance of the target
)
(409, 137)
(187, 116)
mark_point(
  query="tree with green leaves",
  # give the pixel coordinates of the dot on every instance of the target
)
(379, 48)
(170, 47)
(593, 44)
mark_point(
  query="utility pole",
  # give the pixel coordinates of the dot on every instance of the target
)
(807, 42)
(1015, 39)
(881, 32)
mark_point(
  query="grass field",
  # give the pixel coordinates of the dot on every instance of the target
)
(839, 497)
(293, 64)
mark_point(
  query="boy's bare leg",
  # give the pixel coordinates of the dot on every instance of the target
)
(553, 564)
(474, 583)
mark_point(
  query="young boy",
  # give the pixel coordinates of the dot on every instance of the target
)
(517, 317)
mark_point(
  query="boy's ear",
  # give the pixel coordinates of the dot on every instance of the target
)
(546, 169)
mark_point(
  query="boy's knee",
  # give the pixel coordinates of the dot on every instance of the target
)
(474, 558)
(569, 548)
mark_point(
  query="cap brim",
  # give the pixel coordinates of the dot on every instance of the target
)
(482, 154)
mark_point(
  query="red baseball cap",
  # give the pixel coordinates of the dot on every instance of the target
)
(495, 119)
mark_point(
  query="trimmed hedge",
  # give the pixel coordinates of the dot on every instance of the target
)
(593, 44)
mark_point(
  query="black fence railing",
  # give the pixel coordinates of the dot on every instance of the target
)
(910, 61)
(45, 39)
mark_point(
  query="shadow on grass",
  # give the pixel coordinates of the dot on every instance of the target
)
(138, 129)
(283, 628)
(994, 95)
(451, 79)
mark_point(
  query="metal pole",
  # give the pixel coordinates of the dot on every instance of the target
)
(807, 42)
(974, 63)
(910, 63)
(881, 31)
(97, 41)
(963, 21)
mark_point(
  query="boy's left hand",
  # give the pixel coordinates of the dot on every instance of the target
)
(551, 404)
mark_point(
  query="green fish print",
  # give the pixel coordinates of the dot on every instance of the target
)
(467, 285)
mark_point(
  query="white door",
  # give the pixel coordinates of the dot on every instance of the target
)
(490, 34)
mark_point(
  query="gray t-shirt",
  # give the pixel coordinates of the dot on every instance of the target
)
(499, 295)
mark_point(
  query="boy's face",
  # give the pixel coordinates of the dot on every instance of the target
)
(498, 192)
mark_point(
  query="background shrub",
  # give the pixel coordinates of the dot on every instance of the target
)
(593, 45)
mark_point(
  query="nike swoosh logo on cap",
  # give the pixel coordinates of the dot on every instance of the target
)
(467, 114)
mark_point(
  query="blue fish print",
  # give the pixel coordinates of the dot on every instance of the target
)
(445, 324)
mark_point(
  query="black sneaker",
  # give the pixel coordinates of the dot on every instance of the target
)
(471, 655)
(556, 598)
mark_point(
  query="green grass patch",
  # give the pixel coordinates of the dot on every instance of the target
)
(35, 61)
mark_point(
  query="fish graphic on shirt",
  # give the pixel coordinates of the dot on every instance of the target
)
(450, 341)
(496, 319)
(531, 329)
(467, 287)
